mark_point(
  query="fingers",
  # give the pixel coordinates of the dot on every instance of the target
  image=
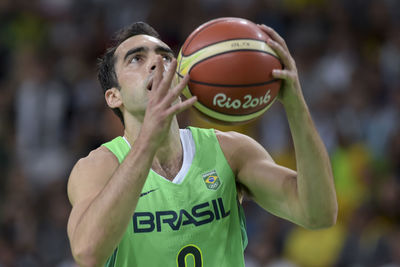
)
(278, 44)
(158, 73)
(176, 91)
(273, 34)
(283, 54)
(166, 81)
(284, 75)
(164, 95)
(175, 109)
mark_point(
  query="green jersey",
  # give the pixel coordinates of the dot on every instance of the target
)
(197, 222)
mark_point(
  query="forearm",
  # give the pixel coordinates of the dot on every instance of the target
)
(101, 226)
(315, 185)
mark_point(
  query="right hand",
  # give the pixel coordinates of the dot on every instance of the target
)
(162, 104)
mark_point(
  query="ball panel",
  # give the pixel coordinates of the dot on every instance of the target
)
(222, 29)
(185, 63)
(235, 100)
(230, 118)
(236, 68)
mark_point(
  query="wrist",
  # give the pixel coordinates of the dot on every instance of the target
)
(293, 100)
(146, 142)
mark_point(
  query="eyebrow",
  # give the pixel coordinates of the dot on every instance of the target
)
(134, 50)
(159, 49)
(162, 49)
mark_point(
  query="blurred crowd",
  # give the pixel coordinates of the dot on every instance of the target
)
(52, 112)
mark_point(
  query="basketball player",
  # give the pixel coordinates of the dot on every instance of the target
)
(161, 196)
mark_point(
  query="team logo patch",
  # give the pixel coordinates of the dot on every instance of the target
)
(211, 180)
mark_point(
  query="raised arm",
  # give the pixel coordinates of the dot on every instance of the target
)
(306, 197)
(103, 192)
(104, 197)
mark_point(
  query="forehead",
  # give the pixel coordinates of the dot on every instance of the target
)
(138, 41)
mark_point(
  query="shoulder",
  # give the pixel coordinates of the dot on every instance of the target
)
(91, 173)
(97, 158)
(239, 148)
(231, 136)
(233, 141)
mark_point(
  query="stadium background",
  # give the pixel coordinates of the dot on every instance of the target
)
(52, 112)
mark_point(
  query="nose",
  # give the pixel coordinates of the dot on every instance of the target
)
(153, 66)
(154, 63)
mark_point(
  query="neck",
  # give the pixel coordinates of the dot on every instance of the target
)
(171, 148)
(169, 156)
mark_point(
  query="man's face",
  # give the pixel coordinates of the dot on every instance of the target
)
(135, 64)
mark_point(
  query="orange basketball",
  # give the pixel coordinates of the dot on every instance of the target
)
(230, 66)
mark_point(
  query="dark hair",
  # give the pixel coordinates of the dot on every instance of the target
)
(106, 66)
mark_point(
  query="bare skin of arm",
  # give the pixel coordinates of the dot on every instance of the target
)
(104, 197)
(306, 197)
(103, 192)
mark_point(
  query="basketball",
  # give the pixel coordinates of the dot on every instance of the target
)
(230, 66)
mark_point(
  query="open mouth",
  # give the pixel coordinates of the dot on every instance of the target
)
(150, 85)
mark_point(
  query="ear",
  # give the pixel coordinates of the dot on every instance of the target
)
(113, 98)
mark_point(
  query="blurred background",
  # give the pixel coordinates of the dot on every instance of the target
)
(52, 112)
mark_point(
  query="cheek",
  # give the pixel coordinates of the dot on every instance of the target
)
(133, 89)
(133, 95)
(129, 80)
(131, 86)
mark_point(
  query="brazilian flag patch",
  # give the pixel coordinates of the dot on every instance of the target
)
(211, 180)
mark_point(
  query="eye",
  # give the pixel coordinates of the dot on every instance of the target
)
(135, 59)
(167, 58)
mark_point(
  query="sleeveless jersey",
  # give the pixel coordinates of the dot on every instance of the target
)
(196, 223)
